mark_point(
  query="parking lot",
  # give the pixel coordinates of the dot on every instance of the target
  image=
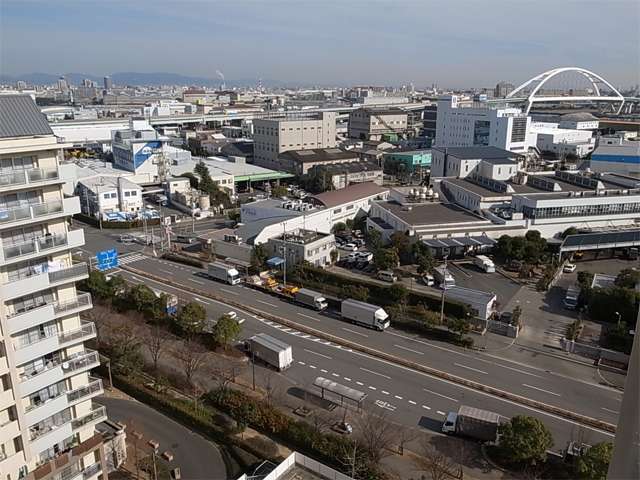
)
(469, 276)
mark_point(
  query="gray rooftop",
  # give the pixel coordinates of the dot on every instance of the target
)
(432, 213)
(486, 153)
(20, 117)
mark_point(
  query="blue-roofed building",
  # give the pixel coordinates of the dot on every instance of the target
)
(412, 159)
(617, 155)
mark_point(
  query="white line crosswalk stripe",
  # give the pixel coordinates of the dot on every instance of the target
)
(135, 257)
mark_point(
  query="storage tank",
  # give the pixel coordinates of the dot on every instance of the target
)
(205, 202)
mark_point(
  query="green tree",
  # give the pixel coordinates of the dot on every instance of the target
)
(459, 326)
(400, 241)
(334, 255)
(190, 319)
(101, 288)
(386, 258)
(373, 239)
(279, 191)
(397, 293)
(141, 299)
(258, 257)
(338, 227)
(426, 263)
(568, 231)
(525, 440)
(628, 278)
(206, 184)
(194, 182)
(604, 302)
(593, 465)
(226, 331)
(357, 292)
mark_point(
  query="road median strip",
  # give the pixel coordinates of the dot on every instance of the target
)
(544, 407)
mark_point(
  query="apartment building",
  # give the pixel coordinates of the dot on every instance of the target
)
(47, 416)
(300, 131)
(377, 123)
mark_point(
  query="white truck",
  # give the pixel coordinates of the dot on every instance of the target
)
(443, 277)
(223, 272)
(309, 298)
(364, 314)
(484, 263)
(571, 297)
(270, 350)
(473, 423)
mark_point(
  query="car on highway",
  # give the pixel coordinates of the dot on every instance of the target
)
(569, 268)
(387, 276)
(126, 239)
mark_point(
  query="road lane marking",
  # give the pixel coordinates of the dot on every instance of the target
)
(398, 397)
(409, 350)
(301, 363)
(412, 402)
(308, 316)
(518, 370)
(201, 300)
(360, 383)
(166, 271)
(470, 368)
(385, 392)
(354, 332)
(335, 374)
(440, 412)
(230, 291)
(426, 407)
(196, 281)
(324, 371)
(439, 394)
(375, 373)
(319, 354)
(609, 410)
(347, 379)
(313, 366)
(267, 303)
(541, 389)
(372, 388)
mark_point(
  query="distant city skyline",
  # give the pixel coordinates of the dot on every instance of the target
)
(453, 43)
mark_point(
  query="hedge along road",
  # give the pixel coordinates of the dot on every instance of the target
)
(392, 359)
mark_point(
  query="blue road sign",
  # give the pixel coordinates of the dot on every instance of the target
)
(107, 259)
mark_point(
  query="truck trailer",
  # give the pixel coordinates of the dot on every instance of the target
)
(365, 314)
(270, 350)
(484, 263)
(474, 423)
(224, 273)
(310, 299)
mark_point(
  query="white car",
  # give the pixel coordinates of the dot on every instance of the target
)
(365, 256)
(569, 268)
(350, 247)
(352, 257)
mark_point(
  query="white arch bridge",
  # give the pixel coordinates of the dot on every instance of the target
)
(531, 92)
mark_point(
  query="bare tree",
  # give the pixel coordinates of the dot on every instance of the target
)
(438, 465)
(156, 341)
(224, 372)
(191, 356)
(376, 434)
(100, 316)
(405, 435)
(271, 388)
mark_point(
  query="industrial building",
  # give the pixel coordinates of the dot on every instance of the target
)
(336, 176)
(300, 131)
(413, 160)
(299, 162)
(48, 419)
(109, 197)
(461, 162)
(377, 123)
(459, 125)
(563, 142)
(617, 155)
(301, 245)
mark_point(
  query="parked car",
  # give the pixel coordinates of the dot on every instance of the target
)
(569, 268)
(350, 247)
(352, 257)
(365, 256)
(506, 317)
(387, 276)
(428, 280)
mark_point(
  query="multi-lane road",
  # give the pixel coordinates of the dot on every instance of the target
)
(411, 398)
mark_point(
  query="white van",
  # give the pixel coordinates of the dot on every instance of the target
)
(387, 276)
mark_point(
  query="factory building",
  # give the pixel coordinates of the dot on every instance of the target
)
(377, 123)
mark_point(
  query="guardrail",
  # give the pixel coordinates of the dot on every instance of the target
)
(544, 407)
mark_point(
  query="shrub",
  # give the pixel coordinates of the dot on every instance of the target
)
(192, 262)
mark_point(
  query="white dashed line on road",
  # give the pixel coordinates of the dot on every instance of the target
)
(309, 317)
(360, 383)
(347, 379)
(354, 332)
(409, 350)
(166, 271)
(372, 388)
(398, 397)
(541, 390)
(323, 370)
(609, 410)
(319, 354)
(267, 303)
(440, 395)
(196, 281)
(470, 368)
(440, 412)
(385, 392)
(198, 299)
(313, 366)
(412, 402)
(229, 291)
(301, 363)
(335, 374)
(375, 373)
(426, 407)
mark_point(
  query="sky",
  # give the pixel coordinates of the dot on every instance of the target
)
(454, 43)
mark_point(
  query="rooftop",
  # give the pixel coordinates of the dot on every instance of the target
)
(432, 213)
(220, 166)
(20, 117)
(349, 194)
(349, 167)
(302, 237)
(478, 152)
(319, 155)
(238, 149)
(109, 182)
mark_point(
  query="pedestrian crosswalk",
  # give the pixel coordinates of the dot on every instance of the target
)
(130, 258)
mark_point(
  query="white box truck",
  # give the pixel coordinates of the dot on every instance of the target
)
(473, 423)
(311, 299)
(364, 314)
(443, 277)
(484, 263)
(270, 350)
(571, 297)
(223, 272)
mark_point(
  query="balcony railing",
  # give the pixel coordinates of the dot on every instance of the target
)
(41, 428)
(86, 330)
(91, 470)
(82, 300)
(34, 245)
(75, 270)
(94, 386)
(22, 177)
(96, 414)
(14, 214)
(69, 365)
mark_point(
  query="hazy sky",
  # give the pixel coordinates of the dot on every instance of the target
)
(450, 42)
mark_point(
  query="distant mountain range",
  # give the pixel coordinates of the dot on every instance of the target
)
(136, 78)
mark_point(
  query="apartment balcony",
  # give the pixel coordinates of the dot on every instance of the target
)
(38, 314)
(18, 179)
(97, 415)
(90, 390)
(60, 461)
(47, 344)
(55, 372)
(52, 436)
(38, 279)
(4, 365)
(9, 429)
(91, 470)
(22, 215)
(6, 398)
(49, 244)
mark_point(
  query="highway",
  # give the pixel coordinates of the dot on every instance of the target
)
(412, 398)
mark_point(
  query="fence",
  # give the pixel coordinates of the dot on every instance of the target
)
(303, 461)
(596, 353)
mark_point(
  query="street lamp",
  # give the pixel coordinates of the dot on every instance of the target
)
(619, 317)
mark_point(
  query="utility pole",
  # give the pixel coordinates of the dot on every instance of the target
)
(253, 367)
(284, 252)
(444, 287)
